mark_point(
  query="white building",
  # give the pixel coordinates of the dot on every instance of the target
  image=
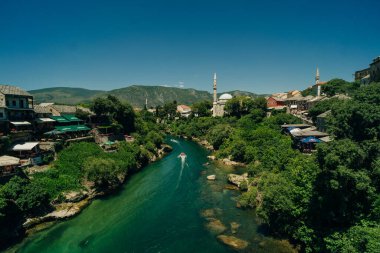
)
(184, 110)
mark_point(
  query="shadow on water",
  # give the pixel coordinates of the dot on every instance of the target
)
(85, 242)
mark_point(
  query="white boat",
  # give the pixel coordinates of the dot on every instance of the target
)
(182, 155)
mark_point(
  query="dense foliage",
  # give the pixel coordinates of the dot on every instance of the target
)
(334, 87)
(120, 113)
(78, 167)
(325, 202)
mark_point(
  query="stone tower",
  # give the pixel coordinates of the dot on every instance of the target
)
(317, 83)
(215, 102)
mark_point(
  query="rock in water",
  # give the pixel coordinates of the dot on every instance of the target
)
(231, 187)
(215, 226)
(234, 227)
(211, 177)
(233, 242)
(237, 179)
(207, 213)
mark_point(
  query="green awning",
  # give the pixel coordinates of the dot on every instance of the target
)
(71, 117)
(53, 132)
(82, 128)
(72, 128)
(59, 119)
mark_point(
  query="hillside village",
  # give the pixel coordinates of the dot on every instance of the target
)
(30, 132)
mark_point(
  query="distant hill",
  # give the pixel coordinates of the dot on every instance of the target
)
(135, 95)
(65, 95)
(159, 95)
(236, 93)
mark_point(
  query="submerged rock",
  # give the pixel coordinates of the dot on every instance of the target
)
(231, 187)
(211, 177)
(207, 213)
(216, 226)
(211, 157)
(234, 227)
(233, 242)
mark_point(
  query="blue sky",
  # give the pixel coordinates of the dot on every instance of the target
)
(260, 46)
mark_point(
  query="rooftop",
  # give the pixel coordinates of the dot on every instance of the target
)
(13, 90)
(42, 109)
(65, 108)
(25, 146)
(6, 160)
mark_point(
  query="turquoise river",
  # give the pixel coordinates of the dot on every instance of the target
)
(158, 210)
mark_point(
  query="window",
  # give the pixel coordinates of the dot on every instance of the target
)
(13, 102)
(21, 103)
(1, 115)
(7, 102)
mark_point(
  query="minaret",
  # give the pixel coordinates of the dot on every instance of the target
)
(215, 98)
(317, 83)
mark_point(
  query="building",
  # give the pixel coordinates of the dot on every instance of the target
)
(371, 74)
(275, 102)
(9, 165)
(375, 70)
(219, 104)
(16, 109)
(43, 120)
(184, 110)
(298, 103)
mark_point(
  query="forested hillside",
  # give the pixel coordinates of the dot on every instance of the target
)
(136, 95)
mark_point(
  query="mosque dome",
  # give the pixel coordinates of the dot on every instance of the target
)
(225, 96)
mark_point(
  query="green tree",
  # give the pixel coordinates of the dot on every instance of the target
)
(218, 134)
(104, 172)
(202, 108)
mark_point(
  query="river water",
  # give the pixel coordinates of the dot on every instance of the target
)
(158, 210)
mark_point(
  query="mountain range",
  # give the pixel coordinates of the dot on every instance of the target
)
(136, 95)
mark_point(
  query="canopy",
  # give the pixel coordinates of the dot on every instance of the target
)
(325, 139)
(59, 119)
(71, 117)
(44, 120)
(20, 123)
(9, 160)
(53, 132)
(295, 130)
(82, 128)
(25, 146)
(72, 128)
(310, 139)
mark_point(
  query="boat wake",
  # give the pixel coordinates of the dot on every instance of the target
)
(183, 164)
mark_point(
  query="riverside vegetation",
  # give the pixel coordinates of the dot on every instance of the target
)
(81, 167)
(325, 202)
